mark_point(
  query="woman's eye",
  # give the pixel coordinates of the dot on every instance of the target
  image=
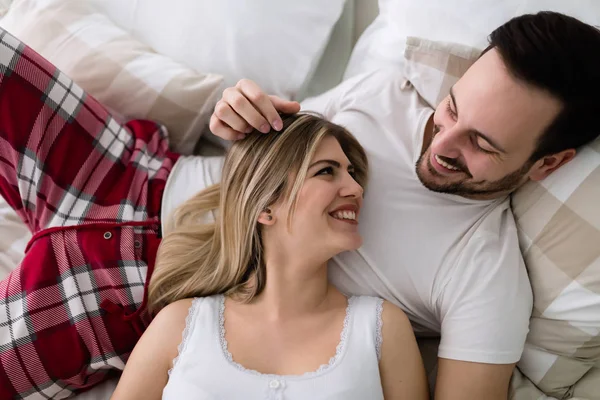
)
(325, 171)
(450, 111)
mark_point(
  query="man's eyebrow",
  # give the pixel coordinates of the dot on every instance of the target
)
(490, 141)
(330, 162)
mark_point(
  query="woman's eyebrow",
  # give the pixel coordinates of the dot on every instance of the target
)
(329, 162)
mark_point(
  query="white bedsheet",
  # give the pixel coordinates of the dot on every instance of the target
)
(14, 236)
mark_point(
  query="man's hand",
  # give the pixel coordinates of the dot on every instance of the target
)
(245, 107)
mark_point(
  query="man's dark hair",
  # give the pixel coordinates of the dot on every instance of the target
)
(560, 55)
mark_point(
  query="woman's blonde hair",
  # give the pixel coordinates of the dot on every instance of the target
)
(199, 259)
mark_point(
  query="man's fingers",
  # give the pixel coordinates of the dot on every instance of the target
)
(245, 109)
(262, 103)
(246, 106)
(285, 106)
(225, 113)
(220, 129)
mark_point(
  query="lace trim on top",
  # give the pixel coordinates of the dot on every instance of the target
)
(340, 349)
(186, 333)
(378, 334)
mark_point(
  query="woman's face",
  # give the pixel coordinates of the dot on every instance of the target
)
(325, 221)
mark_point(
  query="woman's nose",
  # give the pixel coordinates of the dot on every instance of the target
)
(351, 188)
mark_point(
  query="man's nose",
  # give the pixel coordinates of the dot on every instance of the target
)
(448, 143)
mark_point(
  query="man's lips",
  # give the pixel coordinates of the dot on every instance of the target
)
(441, 165)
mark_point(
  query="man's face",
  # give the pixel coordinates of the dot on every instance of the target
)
(485, 132)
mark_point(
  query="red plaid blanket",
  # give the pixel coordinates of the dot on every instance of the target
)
(90, 190)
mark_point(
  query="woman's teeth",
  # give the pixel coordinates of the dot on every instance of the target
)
(445, 164)
(344, 215)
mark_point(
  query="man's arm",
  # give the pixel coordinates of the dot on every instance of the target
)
(485, 309)
(463, 380)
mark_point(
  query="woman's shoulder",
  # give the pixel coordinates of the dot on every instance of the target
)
(395, 327)
(173, 321)
(388, 310)
(392, 314)
(181, 309)
(390, 317)
(174, 311)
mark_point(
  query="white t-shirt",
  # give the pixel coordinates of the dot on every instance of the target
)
(452, 264)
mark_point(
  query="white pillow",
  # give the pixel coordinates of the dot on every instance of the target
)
(125, 75)
(4, 5)
(467, 22)
(277, 43)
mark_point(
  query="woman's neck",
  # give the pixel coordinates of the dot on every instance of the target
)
(293, 289)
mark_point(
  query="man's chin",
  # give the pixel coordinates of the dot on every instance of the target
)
(426, 176)
(434, 187)
(429, 181)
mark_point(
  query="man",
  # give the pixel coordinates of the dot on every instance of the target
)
(439, 239)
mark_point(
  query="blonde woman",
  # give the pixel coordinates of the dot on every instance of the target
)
(249, 292)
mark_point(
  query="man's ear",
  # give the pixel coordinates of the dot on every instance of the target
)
(266, 217)
(547, 165)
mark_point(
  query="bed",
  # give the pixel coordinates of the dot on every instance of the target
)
(323, 45)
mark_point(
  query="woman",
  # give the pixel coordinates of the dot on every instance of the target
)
(249, 292)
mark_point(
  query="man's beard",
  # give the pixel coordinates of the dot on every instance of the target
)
(468, 188)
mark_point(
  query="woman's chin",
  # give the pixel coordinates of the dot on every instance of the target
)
(350, 242)
(339, 244)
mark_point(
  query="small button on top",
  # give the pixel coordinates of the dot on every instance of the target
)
(107, 235)
(274, 384)
(137, 244)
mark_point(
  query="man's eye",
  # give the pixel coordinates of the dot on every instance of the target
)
(325, 171)
(478, 147)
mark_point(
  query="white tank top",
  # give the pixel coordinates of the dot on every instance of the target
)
(205, 370)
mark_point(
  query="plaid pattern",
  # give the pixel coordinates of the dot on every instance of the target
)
(118, 70)
(433, 67)
(559, 232)
(89, 189)
(559, 227)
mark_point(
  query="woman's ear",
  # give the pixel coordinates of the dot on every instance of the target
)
(266, 217)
